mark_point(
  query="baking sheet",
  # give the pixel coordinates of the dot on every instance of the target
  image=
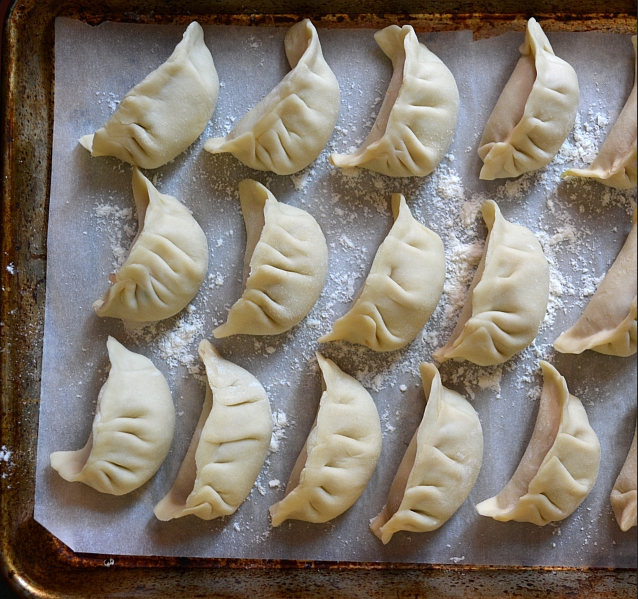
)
(92, 222)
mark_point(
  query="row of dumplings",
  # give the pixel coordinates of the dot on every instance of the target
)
(285, 267)
(135, 421)
(286, 264)
(287, 130)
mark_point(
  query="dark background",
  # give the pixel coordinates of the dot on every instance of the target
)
(5, 591)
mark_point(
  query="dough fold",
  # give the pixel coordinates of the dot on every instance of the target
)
(440, 465)
(132, 430)
(608, 324)
(615, 165)
(166, 112)
(508, 297)
(167, 262)
(402, 289)
(560, 465)
(229, 445)
(623, 495)
(288, 128)
(285, 265)
(534, 113)
(417, 120)
(340, 453)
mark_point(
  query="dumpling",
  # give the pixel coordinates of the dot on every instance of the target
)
(608, 324)
(508, 297)
(166, 112)
(560, 465)
(229, 445)
(615, 164)
(402, 290)
(132, 430)
(440, 465)
(167, 262)
(623, 496)
(534, 113)
(288, 129)
(340, 454)
(417, 120)
(285, 265)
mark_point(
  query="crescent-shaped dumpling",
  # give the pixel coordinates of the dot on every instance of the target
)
(288, 129)
(166, 112)
(623, 495)
(560, 465)
(440, 465)
(534, 113)
(508, 297)
(132, 430)
(417, 120)
(229, 445)
(285, 265)
(167, 262)
(608, 324)
(615, 164)
(340, 454)
(402, 289)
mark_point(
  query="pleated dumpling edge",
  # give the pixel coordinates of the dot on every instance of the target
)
(534, 113)
(166, 112)
(289, 128)
(417, 120)
(166, 264)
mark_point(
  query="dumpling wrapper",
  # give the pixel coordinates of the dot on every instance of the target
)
(418, 117)
(440, 466)
(534, 113)
(401, 291)
(164, 113)
(339, 456)
(508, 298)
(623, 495)
(229, 445)
(167, 262)
(288, 128)
(132, 430)
(615, 165)
(608, 324)
(560, 465)
(285, 265)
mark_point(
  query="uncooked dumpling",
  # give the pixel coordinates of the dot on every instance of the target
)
(167, 262)
(132, 429)
(508, 297)
(288, 129)
(560, 465)
(339, 456)
(615, 164)
(440, 465)
(402, 290)
(166, 112)
(416, 123)
(534, 113)
(608, 324)
(229, 445)
(623, 496)
(285, 265)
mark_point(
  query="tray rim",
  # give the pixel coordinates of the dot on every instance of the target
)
(16, 351)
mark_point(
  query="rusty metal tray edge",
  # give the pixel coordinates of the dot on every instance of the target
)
(33, 561)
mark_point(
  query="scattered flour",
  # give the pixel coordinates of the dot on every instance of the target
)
(5, 454)
(117, 223)
(280, 424)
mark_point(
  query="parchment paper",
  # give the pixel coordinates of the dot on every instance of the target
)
(582, 226)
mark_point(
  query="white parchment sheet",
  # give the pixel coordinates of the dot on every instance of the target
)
(92, 222)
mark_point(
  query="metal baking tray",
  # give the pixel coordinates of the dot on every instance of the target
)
(34, 562)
